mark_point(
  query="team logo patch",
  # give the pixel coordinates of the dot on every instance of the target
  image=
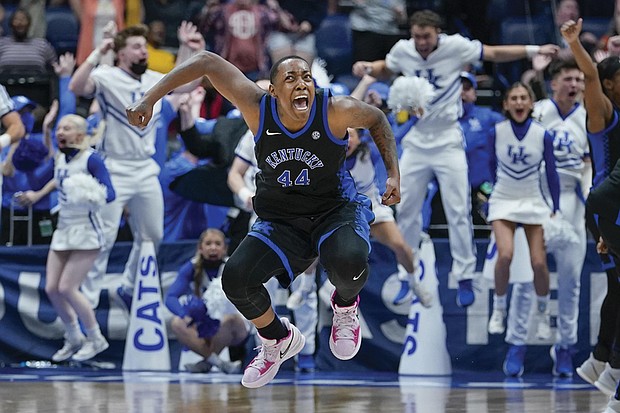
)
(316, 135)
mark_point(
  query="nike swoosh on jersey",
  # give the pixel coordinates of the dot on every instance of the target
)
(283, 353)
(272, 133)
(357, 277)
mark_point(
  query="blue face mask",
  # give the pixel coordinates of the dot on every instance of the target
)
(28, 121)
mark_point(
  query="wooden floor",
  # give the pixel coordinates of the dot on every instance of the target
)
(29, 390)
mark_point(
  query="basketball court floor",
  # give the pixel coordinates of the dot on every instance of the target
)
(72, 389)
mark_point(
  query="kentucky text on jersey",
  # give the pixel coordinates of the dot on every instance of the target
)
(294, 154)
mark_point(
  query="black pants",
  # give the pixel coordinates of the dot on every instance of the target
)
(344, 255)
(604, 204)
(608, 344)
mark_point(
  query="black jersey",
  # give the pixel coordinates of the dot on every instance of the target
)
(303, 173)
(605, 149)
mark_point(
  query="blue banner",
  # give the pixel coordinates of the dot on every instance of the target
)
(31, 330)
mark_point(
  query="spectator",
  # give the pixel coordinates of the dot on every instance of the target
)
(295, 33)
(11, 122)
(239, 30)
(21, 160)
(440, 58)
(203, 319)
(160, 59)
(172, 13)
(375, 27)
(476, 122)
(95, 17)
(22, 54)
(518, 146)
(183, 219)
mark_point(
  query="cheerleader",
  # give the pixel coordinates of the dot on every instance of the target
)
(203, 318)
(518, 147)
(84, 185)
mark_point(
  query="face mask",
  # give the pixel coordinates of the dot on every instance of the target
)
(139, 68)
(69, 150)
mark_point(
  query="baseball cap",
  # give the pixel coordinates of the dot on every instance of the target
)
(471, 77)
(608, 67)
(21, 102)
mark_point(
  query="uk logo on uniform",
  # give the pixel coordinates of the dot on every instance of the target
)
(316, 135)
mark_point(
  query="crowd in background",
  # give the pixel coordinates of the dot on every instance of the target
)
(197, 131)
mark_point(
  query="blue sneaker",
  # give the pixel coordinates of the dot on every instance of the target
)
(513, 363)
(125, 298)
(562, 361)
(465, 293)
(404, 295)
(305, 363)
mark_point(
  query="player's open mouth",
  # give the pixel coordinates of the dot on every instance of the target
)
(572, 94)
(301, 102)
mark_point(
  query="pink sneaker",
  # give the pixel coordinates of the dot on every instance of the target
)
(264, 367)
(345, 339)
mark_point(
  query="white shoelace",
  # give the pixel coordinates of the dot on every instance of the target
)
(346, 323)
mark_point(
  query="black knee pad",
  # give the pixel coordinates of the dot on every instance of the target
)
(345, 259)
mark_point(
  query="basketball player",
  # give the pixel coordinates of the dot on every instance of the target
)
(433, 147)
(127, 150)
(306, 201)
(601, 101)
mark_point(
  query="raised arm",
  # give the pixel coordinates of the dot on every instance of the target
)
(597, 104)
(377, 69)
(225, 77)
(347, 112)
(508, 53)
(81, 83)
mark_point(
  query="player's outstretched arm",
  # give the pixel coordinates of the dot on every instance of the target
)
(225, 77)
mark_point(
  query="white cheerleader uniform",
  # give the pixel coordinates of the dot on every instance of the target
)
(517, 195)
(79, 227)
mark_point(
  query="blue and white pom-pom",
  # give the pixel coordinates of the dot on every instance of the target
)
(84, 190)
(410, 93)
(216, 301)
(559, 233)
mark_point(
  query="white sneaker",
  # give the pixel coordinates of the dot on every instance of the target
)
(91, 348)
(425, 296)
(345, 339)
(591, 369)
(67, 350)
(295, 300)
(496, 323)
(608, 380)
(543, 328)
(264, 367)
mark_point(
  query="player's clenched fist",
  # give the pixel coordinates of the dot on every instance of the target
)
(139, 114)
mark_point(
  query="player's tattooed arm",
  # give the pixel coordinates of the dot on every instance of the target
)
(349, 112)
